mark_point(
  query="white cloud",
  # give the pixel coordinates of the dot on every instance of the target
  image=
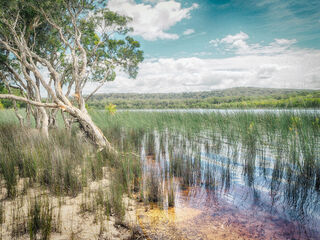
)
(152, 21)
(188, 31)
(238, 44)
(277, 65)
(234, 38)
(292, 69)
(283, 41)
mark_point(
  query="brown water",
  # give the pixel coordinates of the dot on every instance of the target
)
(224, 193)
(216, 220)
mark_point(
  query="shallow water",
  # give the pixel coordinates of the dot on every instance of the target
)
(224, 190)
(199, 110)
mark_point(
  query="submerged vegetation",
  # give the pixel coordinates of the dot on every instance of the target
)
(272, 158)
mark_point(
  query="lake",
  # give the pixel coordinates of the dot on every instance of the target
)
(227, 174)
(196, 110)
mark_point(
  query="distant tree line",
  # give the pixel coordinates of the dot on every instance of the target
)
(228, 98)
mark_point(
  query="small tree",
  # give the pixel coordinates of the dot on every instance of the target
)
(74, 42)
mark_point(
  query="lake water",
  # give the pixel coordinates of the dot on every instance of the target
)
(214, 188)
(312, 111)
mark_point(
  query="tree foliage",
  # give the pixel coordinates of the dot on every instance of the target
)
(227, 98)
(60, 46)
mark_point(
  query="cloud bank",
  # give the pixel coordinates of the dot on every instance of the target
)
(294, 70)
(152, 21)
(278, 65)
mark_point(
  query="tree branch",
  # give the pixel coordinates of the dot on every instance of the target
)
(16, 75)
(97, 88)
(22, 99)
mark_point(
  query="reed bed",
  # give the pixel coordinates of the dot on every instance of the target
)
(161, 153)
(179, 143)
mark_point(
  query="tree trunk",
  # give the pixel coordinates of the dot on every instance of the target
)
(90, 128)
(28, 118)
(44, 121)
(67, 123)
(52, 114)
(37, 117)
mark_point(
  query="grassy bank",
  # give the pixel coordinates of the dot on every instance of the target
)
(50, 185)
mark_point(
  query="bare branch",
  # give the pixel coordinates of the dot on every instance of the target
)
(16, 75)
(97, 88)
(53, 24)
(69, 88)
(10, 49)
(19, 116)
(22, 99)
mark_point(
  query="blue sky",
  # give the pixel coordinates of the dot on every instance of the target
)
(198, 45)
(262, 20)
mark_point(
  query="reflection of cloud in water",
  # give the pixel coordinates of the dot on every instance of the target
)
(226, 192)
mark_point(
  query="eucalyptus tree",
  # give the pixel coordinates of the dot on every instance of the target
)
(9, 66)
(59, 46)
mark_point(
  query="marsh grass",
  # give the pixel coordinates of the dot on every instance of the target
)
(61, 166)
(18, 218)
(293, 138)
(53, 163)
(40, 218)
(160, 154)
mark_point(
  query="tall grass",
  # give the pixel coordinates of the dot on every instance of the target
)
(61, 166)
(53, 163)
(164, 152)
(292, 138)
(40, 218)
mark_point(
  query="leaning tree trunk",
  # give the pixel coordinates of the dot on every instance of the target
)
(90, 129)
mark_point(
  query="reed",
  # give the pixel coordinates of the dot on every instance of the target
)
(161, 153)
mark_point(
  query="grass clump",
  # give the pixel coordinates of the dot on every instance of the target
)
(40, 218)
(56, 163)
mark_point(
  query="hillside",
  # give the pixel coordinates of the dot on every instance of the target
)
(240, 97)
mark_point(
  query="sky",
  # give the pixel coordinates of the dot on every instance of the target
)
(202, 45)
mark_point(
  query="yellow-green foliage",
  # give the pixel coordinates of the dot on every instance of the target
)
(111, 108)
(1, 105)
(230, 98)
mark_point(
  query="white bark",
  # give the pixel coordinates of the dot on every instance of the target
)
(30, 62)
(22, 99)
(90, 128)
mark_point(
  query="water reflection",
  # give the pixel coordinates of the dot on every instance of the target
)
(210, 187)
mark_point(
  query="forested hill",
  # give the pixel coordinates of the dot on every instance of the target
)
(240, 97)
